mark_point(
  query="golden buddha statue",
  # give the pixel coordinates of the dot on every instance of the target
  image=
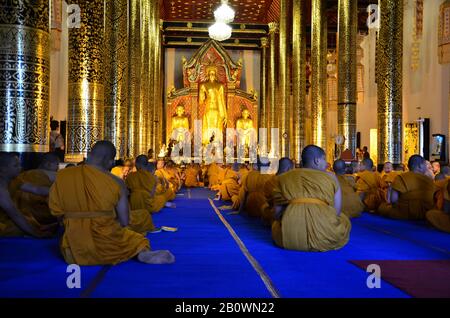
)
(180, 124)
(212, 98)
(245, 130)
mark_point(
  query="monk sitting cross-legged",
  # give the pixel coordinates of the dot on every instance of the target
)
(13, 221)
(352, 205)
(411, 194)
(228, 186)
(368, 186)
(193, 174)
(95, 210)
(439, 216)
(36, 204)
(142, 185)
(308, 205)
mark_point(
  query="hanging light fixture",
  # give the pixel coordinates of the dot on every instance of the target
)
(219, 31)
(224, 13)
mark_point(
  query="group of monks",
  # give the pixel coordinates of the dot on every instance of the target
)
(104, 212)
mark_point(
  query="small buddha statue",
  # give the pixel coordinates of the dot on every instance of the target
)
(245, 130)
(180, 124)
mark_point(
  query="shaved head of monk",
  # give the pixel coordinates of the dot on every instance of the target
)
(285, 164)
(367, 164)
(141, 162)
(417, 164)
(339, 167)
(102, 155)
(9, 165)
(313, 157)
(50, 162)
(388, 167)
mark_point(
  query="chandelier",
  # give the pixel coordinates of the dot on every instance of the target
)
(221, 31)
(224, 13)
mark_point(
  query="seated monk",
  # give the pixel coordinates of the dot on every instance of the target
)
(352, 205)
(368, 185)
(443, 174)
(142, 185)
(308, 205)
(167, 178)
(213, 174)
(268, 212)
(94, 206)
(251, 194)
(175, 175)
(387, 177)
(193, 174)
(439, 216)
(411, 194)
(228, 186)
(14, 222)
(29, 203)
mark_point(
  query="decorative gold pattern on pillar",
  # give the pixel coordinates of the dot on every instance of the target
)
(24, 76)
(299, 77)
(86, 91)
(347, 95)
(263, 111)
(389, 81)
(134, 77)
(319, 102)
(116, 74)
(284, 119)
(145, 90)
(272, 120)
(157, 87)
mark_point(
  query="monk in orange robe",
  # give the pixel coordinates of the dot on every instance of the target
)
(268, 210)
(193, 174)
(368, 186)
(387, 177)
(251, 194)
(29, 203)
(213, 174)
(411, 194)
(167, 178)
(439, 216)
(308, 205)
(14, 222)
(228, 186)
(142, 185)
(352, 205)
(95, 210)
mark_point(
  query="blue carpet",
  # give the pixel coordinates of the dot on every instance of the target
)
(209, 263)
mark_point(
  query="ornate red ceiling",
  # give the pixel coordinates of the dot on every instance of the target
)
(247, 11)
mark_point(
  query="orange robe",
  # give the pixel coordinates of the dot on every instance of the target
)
(352, 205)
(30, 204)
(142, 186)
(213, 174)
(416, 193)
(253, 188)
(86, 198)
(268, 212)
(309, 222)
(387, 179)
(370, 183)
(437, 216)
(192, 177)
(229, 186)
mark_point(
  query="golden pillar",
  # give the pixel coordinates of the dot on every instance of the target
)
(272, 118)
(146, 92)
(284, 83)
(24, 77)
(134, 77)
(389, 81)
(116, 74)
(155, 46)
(347, 94)
(86, 80)
(319, 103)
(299, 77)
(263, 111)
